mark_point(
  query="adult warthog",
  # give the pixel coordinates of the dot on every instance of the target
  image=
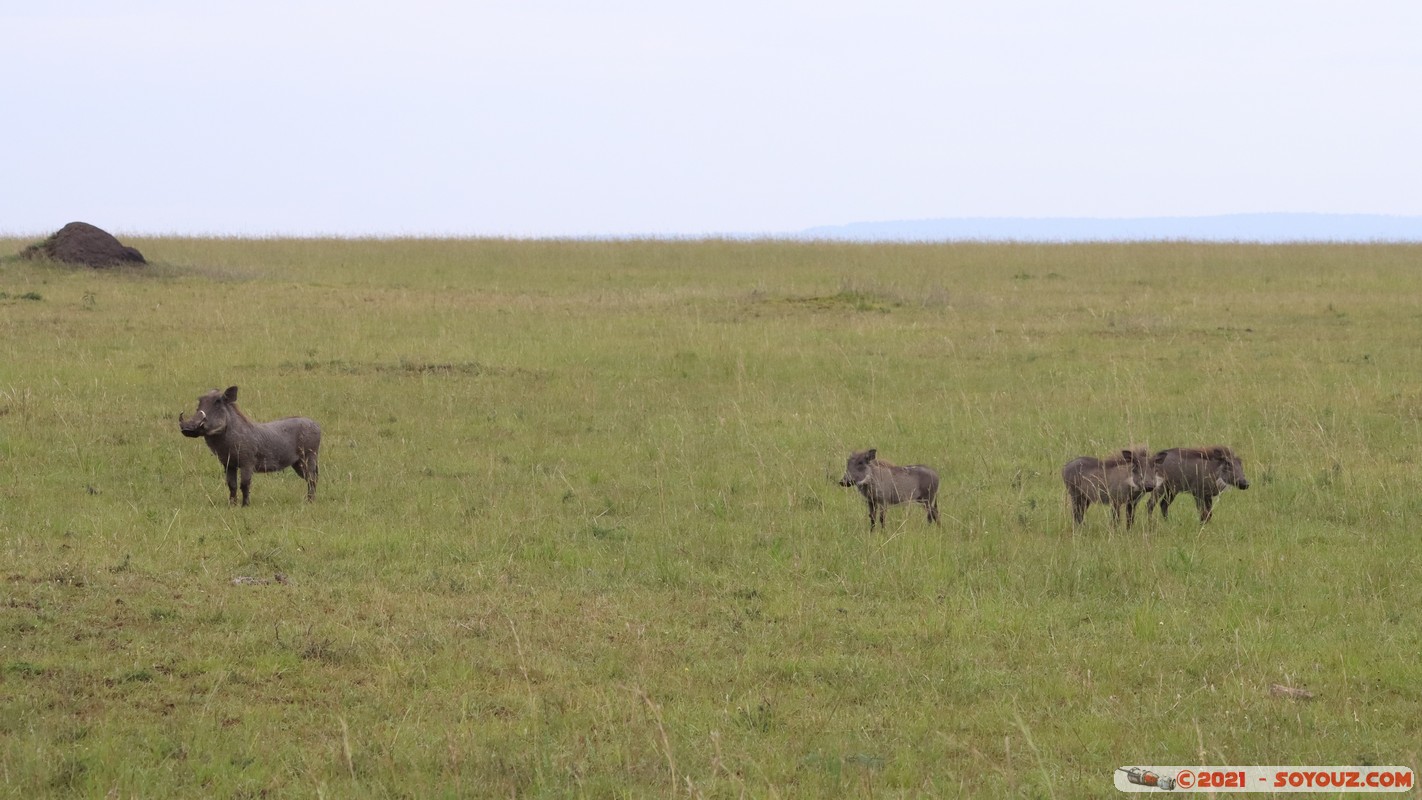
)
(1205, 472)
(884, 484)
(245, 446)
(1120, 480)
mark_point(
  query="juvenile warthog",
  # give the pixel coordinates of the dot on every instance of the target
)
(1119, 480)
(1204, 472)
(241, 444)
(884, 484)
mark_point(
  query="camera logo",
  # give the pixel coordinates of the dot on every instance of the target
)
(1144, 777)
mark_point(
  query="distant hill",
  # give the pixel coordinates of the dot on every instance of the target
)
(1221, 228)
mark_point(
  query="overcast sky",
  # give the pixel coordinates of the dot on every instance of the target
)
(623, 117)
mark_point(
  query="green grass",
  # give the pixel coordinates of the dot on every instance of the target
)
(578, 533)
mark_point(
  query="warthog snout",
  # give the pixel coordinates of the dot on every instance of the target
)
(192, 427)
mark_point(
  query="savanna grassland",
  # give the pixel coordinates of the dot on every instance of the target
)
(578, 532)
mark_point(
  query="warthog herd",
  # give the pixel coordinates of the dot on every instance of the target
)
(1120, 480)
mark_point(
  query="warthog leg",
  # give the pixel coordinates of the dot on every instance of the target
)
(232, 484)
(307, 468)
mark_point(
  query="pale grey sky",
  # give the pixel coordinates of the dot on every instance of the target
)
(623, 117)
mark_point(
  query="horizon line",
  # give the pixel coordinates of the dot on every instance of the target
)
(855, 231)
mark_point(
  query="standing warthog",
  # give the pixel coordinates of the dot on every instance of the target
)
(1204, 472)
(241, 444)
(1120, 480)
(884, 484)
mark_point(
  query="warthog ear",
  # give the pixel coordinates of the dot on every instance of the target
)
(871, 454)
(230, 395)
(1218, 453)
(1129, 455)
(1160, 457)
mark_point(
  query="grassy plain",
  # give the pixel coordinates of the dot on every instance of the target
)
(577, 533)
